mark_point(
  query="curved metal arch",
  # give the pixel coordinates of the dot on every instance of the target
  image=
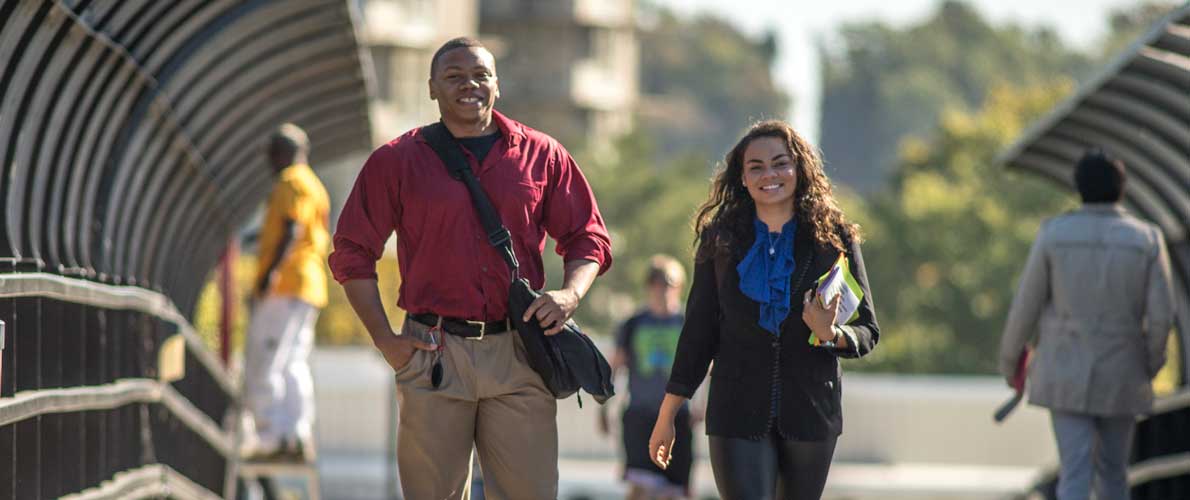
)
(102, 62)
(239, 153)
(333, 136)
(1054, 169)
(298, 74)
(120, 213)
(1162, 94)
(332, 133)
(138, 182)
(17, 85)
(321, 122)
(168, 39)
(113, 104)
(1173, 133)
(204, 49)
(220, 132)
(94, 148)
(242, 50)
(1144, 156)
(1059, 151)
(317, 121)
(1175, 38)
(94, 244)
(37, 106)
(141, 15)
(98, 108)
(1163, 65)
(70, 85)
(1142, 187)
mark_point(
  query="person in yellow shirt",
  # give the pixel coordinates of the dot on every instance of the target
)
(289, 290)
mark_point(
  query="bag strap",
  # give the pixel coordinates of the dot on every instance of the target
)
(452, 157)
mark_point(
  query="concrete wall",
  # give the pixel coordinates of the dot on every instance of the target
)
(904, 436)
(887, 418)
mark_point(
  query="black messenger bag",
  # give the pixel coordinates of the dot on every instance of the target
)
(566, 361)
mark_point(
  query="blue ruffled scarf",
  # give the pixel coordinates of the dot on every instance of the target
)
(765, 271)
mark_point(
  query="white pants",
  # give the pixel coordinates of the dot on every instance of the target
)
(278, 388)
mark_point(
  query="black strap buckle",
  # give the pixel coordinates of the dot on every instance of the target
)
(499, 237)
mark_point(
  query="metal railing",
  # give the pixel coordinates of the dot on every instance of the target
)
(91, 396)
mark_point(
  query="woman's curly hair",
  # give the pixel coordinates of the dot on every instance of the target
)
(724, 222)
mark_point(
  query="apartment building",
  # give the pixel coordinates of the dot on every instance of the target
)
(401, 36)
(567, 67)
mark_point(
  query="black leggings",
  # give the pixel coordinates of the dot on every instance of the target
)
(771, 468)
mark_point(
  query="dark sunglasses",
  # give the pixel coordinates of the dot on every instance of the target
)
(436, 370)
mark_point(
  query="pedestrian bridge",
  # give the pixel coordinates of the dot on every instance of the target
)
(131, 139)
(131, 148)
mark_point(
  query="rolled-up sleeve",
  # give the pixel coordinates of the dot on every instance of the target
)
(368, 218)
(572, 216)
(699, 340)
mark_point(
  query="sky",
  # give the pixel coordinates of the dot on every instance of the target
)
(801, 23)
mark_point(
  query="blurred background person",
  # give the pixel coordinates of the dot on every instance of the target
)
(645, 347)
(1095, 298)
(289, 290)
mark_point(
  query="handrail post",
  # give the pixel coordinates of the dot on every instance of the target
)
(227, 290)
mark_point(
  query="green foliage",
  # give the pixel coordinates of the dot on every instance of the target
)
(702, 82)
(882, 84)
(648, 206)
(914, 117)
(1127, 24)
(946, 243)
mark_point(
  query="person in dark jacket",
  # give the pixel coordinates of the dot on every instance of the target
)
(770, 229)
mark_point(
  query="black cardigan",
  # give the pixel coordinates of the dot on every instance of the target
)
(752, 366)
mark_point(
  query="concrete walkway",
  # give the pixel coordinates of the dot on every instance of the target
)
(921, 438)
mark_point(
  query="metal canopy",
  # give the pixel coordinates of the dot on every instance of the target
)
(1138, 108)
(132, 132)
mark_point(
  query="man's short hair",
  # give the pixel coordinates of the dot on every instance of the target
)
(289, 138)
(453, 43)
(1099, 177)
(665, 269)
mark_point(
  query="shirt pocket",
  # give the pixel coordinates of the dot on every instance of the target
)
(519, 205)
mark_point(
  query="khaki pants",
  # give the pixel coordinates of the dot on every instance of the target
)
(489, 398)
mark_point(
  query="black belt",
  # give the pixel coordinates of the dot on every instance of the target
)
(464, 327)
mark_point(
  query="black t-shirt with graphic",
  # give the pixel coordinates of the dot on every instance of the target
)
(650, 342)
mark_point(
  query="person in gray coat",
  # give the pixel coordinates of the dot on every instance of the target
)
(1095, 304)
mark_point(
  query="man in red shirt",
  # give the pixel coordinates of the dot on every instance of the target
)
(486, 397)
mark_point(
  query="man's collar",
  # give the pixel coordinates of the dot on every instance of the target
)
(1103, 208)
(509, 128)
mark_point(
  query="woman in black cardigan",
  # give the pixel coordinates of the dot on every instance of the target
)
(770, 228)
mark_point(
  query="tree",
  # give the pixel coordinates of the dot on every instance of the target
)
(883, 84)
(948, 238)
(948, 231)
(1126, 24)
(702, 82)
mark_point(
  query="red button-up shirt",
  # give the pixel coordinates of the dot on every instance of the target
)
(447, 266)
